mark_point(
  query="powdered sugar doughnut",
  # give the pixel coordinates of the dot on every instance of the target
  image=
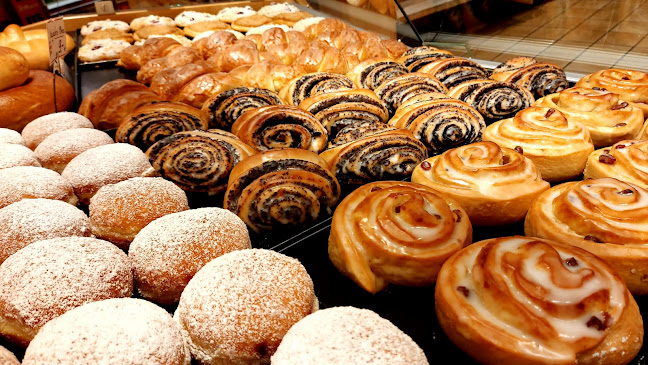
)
(30, 220)
(55, 151)
(229, 15)
(10, 136)
(102, 50)
(189, 17)
(273, 10)
(237, 308)
(113, 331)
(26, 182)
(347, 336)
(16, 155)
(48, 278)
(40, 128)
(262, 28)
(97, 25)
(169, 251)
(145, 21)
(7, 358)
(305, 23)
(119, 211)
(108, 164)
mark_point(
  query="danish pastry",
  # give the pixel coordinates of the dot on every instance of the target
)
(631, 85)
(625, 160)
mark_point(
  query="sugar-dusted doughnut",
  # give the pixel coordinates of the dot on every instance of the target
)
(7, 357)
(11, 136)
(40, 128)
(16, 155)
(55, 151)
(20, 182)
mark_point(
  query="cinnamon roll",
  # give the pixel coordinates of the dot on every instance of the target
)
(625, 160)
(541, 79)
(224, 109)
(303, 87)
(605, 216)
(150, 123)
(198, 161)
(631, 85)
(494, 100)
(281, 187)
(454, 71)
(374, 72)
(399, 89)
(608, 119)
(396, 232)
(280, 126)
(524, 300)
(388, 155)
(441, 124)
(558, 147)
(417, 57)
(494, 185)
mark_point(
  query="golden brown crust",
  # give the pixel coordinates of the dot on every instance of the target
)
(242, 52)
(251, 21)
(625, 160)
(146, 32)
(223, 109)
(134, 57)
(320, 57)
(541, 79)
(631, 85)
(177, 57)
(215, 43)
(194, 29)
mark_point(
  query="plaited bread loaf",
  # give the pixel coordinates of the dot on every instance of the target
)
(32, 44)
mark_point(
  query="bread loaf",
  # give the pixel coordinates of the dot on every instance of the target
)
(32, 44)
(15, 68)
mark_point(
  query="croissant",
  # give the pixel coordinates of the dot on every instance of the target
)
(541, 79)
(631, 85)
(303, 87)
(454, 71)
(374, 72)
(179, 56)
(625, 160)
(495, 100)
(320, 57)
(215, 43)
(399, 89)
(417, 57)
(225, 108)
(134, 57)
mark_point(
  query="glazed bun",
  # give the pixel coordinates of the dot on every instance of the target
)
(57, 150)
(40, 128)
(26, 182)
(625, 160)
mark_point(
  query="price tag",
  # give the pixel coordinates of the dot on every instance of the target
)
(104, 7)
(56, 38)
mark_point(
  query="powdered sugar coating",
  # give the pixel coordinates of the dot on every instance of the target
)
(347, 336)
(26, 182)
(305, 23)
(145, 21)
(7, 358)
(10, 136)
(16, 155)
(114, 331)
(189, 17)
(273, 10)
(232, 13)
(97, 25)
(40, 128)
(31, 220)
(55, 151)
(103, 165)
(169, 251)
(237, 308)
(48, 278)
(262, 28)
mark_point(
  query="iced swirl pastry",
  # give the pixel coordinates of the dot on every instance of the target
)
(399, 89)
(558, 147)
(625, 160)
(523, 300)
(396, 232)
(225, 108)
(303, 87)
(494, 100)
(608, 118)
(605, 216)
(631, 85)
(494, 185)
(281, 187)
(540, 78)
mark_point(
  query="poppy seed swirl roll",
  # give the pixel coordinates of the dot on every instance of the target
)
(398, 90)
(494, 100)
(302, 88)
(374, 72)
(454, 71)
(541, 79)
(417, 57)
(225, 108)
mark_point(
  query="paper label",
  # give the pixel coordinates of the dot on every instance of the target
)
(104, 7)
(56, 38)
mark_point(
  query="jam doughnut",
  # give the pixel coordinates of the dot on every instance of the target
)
(57, 150)
(10, 136)
(25, 182)
(16, 155)
(40, 128)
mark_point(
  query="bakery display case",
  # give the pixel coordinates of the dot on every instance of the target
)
(423, 94)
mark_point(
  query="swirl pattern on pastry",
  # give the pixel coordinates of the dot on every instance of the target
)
(494, 100)
(303, 87)
(441, 124)
(631, 85)
(356, 131)
(625, 160)
(541, 79)
(396, 232)
(524, 300)
(281, 187)
(225, 108)
(454, 71)
(608, 119)
(198, 161)
(399, 89)
(417, 57)
(388, 155)
(150, 123)
(280, 126)
(494, 185)
(374, 72)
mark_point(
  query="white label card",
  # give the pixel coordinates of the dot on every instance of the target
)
(56, 38)
(104, 7)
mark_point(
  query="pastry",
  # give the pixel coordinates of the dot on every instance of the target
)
(399, 89)
(301, 25)
(263, 292)
(232, 13)
(198, 161)
(33, 44)
(625, 160)
(10, 136)
(194, 29)
(608, 119)
(631, 85)
(605, 216)
(494, 185)
(370, 46)
(454, 71)
(7, 357)
(136, 56)
(281, 187)
(374, 72)
(396, 233)
(415, 58)
(16, 155)
(169, 251)
(42, 127)
(214, 43)
(523, 300)
(150, 123)
(272, 76)
(110, 33)
(15, 70)
(102, 50)
(291, 18)
(167, 83)
(243, 24)
(225, 108)
(113, 331)
(98, 25)
(395, 48)
(280, 126)
(60, 148)
(29, 182)
(558, 147)
(303, 87)
(326, 25)
(50, 277)
(541, 79)
(189, 17)
(242, 52)
(494, 100)
(275, 9)
(320, 57)
(184, 41)
(177, 57)
(356, 131)
(264, 27)
(145, 21)
(147, 32)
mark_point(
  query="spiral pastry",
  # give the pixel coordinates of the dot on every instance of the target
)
(625, 160)
(388, 155)
(494, 100)
(280, 126)
(454, 71)
(608, 119)
(302, 88)
(629, 84)
(605, 216)
(224, 109)
(396, 232)
(494, 185)
(356, 131)
(400, 89)
(524, 300)
(150, 123)
(441, 124)
(374, 72)
(558, 147)
(338, 109)
(541, 79)
(282, 187)
(198, 161)
(417, 57)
